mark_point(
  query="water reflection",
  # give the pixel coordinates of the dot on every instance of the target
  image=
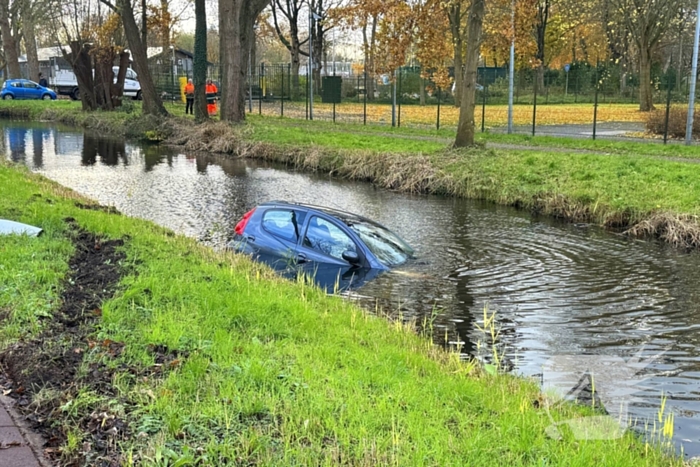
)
(110, 151)
(557, 289)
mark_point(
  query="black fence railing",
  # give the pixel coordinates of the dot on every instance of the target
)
(589, 94)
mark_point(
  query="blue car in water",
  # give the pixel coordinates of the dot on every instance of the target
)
(332, 242)
(25, 89)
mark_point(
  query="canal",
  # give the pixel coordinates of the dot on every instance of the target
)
(555, 288)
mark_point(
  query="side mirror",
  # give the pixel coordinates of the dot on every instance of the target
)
(351, 257)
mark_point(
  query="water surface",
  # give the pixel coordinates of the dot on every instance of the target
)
(556, 288)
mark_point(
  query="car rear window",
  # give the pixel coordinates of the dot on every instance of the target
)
(284, 223)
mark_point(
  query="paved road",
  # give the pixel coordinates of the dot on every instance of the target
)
(17, 443)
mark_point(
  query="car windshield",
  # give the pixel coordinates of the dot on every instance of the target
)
(388, 247)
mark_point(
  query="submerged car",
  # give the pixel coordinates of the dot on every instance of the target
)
(284, 234)
(25, 89)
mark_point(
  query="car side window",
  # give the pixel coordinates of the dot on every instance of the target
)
(328, 238)
(283, 223)
(30, 85)
(16, 85)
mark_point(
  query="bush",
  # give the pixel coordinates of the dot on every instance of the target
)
(677, 116)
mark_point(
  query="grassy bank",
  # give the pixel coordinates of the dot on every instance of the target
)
(204, 357)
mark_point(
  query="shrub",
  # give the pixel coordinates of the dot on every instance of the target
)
(656, 121)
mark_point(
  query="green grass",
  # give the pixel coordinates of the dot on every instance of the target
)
(273, 372)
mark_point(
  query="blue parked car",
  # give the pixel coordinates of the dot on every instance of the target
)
(25, 89)
(284, 234)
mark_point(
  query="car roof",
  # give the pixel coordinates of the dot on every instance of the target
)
(346, 217)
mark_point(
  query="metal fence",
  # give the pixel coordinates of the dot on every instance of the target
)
(581, 101)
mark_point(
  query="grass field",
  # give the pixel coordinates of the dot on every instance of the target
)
(426, 116)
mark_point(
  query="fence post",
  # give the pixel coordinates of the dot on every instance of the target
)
(668, 102)
(260, 83)
(438, 109)
(282, 97)
(484, 90)
(534, 105)
(595, 101)
(400, 75)
(364, 110)
(250, 84)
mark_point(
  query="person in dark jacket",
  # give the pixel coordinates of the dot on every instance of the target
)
(42, 81)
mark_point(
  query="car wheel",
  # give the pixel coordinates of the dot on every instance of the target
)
(139, 96)
(46, 97)
(8, 97)
(76, 94)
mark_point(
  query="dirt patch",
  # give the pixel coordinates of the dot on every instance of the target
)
(97, 207)
(44, 374)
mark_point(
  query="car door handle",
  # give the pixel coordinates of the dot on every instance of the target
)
(249, 238)
(301, 258)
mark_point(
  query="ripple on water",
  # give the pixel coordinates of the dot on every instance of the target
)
(556, 289)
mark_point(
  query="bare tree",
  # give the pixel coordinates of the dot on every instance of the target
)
(9, 41)
(646, 21)
(152, 103)
(466, 128)
(200, 61)
(28, 15)
(236, 21)
(290, 10)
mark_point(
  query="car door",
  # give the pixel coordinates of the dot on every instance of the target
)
(274, 239)
(324, 242)
(31, 90)
(17, 89)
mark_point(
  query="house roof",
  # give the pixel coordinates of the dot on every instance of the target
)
(45, 53)
(155, 51)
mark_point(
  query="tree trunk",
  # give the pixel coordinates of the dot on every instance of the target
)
(104, 77)
(152, 103)
(144, 23)
(200, 62)
(369, 58)
(231, 55)
(680, 64)
(454, 17)
(541, 33)
(646, 97)
(9, 43)
(30, 40)
(421, 93)
(465, 129)
(459, 70)
(118, 87)
(236, 21)
(318, 53)
(81, 64)
(296, 61)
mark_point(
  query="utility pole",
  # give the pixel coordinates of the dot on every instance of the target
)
(693, 80)
(312, 17)
(512, 69)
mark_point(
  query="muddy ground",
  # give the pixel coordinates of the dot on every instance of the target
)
(44, 374)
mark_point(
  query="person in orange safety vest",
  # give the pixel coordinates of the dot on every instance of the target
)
(189, 98)
(211, 91)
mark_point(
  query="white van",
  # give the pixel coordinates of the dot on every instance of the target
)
(64, 82)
